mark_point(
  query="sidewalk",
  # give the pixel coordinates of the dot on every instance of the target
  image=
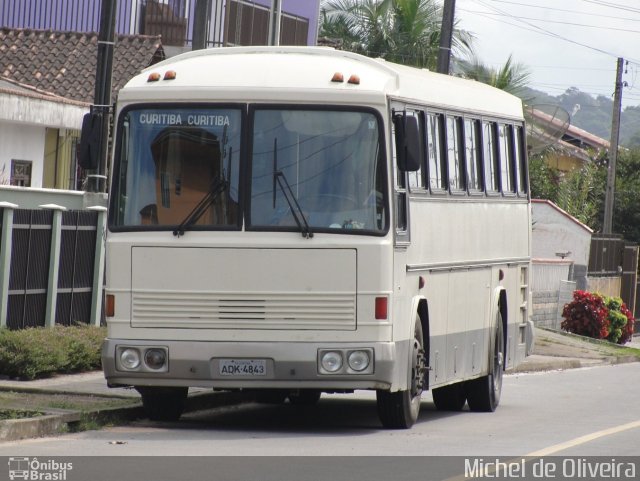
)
(552, 351)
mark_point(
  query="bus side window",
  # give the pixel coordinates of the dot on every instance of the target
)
(473, 155)
(400, 187)
(455, 161)
(507, 167)
(436, 166)
(490, 153)
(521, 161)
(417, 180)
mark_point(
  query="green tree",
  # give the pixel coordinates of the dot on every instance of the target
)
(543, 179)
(511, 77)
(626, 209)
(581, 194)
(401, 31)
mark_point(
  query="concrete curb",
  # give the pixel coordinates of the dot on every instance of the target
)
(56, 421)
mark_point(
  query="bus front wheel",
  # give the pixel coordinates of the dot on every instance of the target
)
(399, 410)
(483, 394)
(163, 403)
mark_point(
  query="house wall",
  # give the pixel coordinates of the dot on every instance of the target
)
(554, 231)
(84, 15)
(308, 9)
(554, 278)
(22, 142)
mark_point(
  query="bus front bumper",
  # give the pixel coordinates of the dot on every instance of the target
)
(246, 365)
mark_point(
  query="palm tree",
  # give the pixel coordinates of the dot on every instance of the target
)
(511, 77)
(402, 31)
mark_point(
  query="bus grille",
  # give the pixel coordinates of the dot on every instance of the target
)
(257, 311)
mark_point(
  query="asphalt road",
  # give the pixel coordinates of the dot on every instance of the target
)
(592, 411)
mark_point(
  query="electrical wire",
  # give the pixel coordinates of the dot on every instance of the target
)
(574, 12)
(544, 31)
(574, 24)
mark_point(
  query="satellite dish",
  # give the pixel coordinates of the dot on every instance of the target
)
(546, 124)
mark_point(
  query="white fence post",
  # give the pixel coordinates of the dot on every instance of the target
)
(54, 263)
(98, 265)
(6, 237)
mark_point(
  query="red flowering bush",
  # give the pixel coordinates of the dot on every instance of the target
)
(599, 317)
(587, 315)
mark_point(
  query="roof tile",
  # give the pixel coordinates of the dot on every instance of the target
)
(64, 63)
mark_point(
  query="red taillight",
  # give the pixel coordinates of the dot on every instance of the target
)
(381, 307)
(110, 305)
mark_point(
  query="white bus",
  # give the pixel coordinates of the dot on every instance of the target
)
(294, 221)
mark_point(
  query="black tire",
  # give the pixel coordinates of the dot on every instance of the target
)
(305, 397)
(400, 409)
(450, 398)
(163, 403)
(483, 394)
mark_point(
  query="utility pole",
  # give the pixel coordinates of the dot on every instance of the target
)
(613, 151)
(446, 35)
(102, 92)
(274, 22)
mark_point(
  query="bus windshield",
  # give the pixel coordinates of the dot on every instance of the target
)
(318, 167)
(177, 167)
(318, 170)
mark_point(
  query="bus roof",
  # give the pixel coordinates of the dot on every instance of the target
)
(281, 73)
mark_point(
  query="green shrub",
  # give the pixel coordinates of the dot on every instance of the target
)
(40, 352)
(621, 321)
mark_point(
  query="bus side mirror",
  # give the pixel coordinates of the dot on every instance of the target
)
(89, 149)
(409, 151)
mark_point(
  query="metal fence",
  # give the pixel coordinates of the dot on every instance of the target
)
(51, 266)
(219, 22)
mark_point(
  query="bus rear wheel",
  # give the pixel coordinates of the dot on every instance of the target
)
(400, 409)
(483, 394)
(163, 403)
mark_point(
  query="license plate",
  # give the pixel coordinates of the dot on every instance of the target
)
(243, 367)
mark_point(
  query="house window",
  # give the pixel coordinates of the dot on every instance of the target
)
(21, 173)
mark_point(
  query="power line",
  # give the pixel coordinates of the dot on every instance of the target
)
(616, 6)
(573, 12)
(541, 30)
(554, 21)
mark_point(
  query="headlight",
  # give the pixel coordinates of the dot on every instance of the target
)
(331, 361)
(130, 358)
(358, 360)
(155, 358)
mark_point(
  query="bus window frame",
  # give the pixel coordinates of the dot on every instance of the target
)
(117, 163)
(246, 174)
(522, 161)
(456, 157)
(493, 125)
(509, 144)
(439, 117)
(477, 122)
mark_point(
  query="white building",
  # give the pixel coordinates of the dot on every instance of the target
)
(38, 134)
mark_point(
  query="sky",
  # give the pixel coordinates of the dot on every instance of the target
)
(568, 43)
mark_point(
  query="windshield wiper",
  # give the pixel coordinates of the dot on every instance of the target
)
(218, 186)
(280, 179)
